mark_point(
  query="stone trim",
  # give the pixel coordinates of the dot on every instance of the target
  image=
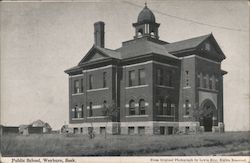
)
(75, 94)
(74, 76)
(99, 68)
(97, 89)
(138, 86)
(97, 117)
(136, 116)
(164, 86)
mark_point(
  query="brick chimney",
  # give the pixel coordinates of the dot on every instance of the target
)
(99, 33)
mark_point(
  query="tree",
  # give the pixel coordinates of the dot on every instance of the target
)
(111, 111)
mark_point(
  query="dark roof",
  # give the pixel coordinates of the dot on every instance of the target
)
(186, 44)
(143, 46)
(147, 45)
(146, 16)
(109, 52)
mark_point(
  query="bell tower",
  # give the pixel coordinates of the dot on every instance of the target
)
(146, 25)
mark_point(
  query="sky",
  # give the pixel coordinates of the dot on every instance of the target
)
(39, 40)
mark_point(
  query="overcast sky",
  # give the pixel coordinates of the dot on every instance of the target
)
(39, 40)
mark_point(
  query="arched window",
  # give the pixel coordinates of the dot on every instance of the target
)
(152, 33)
(131, 107)
(140, 32)
(142, 109)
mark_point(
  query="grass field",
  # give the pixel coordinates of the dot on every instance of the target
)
(121, 145)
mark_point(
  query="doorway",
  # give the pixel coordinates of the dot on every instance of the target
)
(208, 124)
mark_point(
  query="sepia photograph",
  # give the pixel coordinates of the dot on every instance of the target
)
(81, 79)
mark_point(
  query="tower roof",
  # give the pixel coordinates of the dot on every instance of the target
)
(146, 16)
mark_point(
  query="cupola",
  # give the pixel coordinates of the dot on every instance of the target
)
(146, 25)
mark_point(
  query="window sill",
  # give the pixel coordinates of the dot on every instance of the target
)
(97, 117)
(77, 118)
(131, 116)
(97, 89)
(206, 89)
(137, 86)
(187, 87)
(75, 94)
(165, 116)
(186, 116)
(164, 86)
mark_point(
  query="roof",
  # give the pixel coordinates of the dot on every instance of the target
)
(186, 44)
(147, 45)
(109, 52)
(146, 16)
(143, 46)
(40, 123)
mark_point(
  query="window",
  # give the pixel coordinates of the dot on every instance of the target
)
(140, 32)
(159, 76)
(79, 112)
(131, 130)
(81, 130)
(141, 130)
(168, 109)
(198, 80)
(169, 78)
(187, 105)
(187, 78)
(142, 110)
(131, 78)
(131, 107)
(76, 86)
(102, 130)
(170, 130)
(204, 82)
(162, 130)
(142, 76)
(104, 80)
(216, 84)
(82, 85)
(210, 83)
(82, 111)
(75, 111)
(160, 107)
(104, 107)
(75, 130)
(90, 81)
(90, 110)
(207, 46)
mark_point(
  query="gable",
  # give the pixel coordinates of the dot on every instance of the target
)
(92, 55)
(95, 56)
(211, 47)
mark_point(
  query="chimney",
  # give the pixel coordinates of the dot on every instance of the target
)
(99, 33)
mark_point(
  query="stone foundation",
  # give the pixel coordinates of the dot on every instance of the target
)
(143, 128)
(98, 128)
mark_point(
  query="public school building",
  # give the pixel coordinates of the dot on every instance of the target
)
(151, 86)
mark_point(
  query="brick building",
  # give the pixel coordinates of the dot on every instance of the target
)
(147, 86)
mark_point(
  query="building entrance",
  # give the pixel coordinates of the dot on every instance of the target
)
(207, 114)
